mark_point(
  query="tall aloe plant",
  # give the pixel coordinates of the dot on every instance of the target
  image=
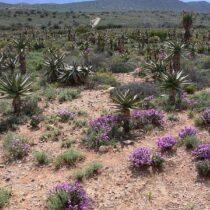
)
(124, 102)
(15, 86)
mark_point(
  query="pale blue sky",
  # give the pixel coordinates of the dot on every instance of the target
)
(59, 1)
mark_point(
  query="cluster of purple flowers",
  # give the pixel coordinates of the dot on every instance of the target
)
(188, 103)
(187, 131)
(104, 127)
(77, 197)
(35, 120)
(202, 151)
(166, 142)
(206, 115)
(149, 98)
(18, 148)
(150, 116)
(141, 157)
(65, 115)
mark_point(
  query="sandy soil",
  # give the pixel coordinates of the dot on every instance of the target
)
(117, 187)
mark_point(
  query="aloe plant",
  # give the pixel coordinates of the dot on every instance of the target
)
(175, 51)
(53, 64)
(155, 69)
(124, 102)
(20, 44)
(187, 22)
(173, 82)
(74, 74)
(15, 86)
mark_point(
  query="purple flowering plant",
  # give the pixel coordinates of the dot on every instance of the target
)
(166, 142)
(202, 151)
(35, 121)
(18, 148)
(145, 117)
(141, 157)
(68, 197)
(206, 115)
(103, 130)
(65, 115)
(187, 131)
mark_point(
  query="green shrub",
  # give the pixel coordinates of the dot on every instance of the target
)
(190, 89)
(68, 158)
(157, 161)
(124, 67)
(68, 95)
(89, 171)
(173, 117)
(34, 61)
(41, 157)
(199, 122)
(58, 200)
(15, 147)
(78, 175)
(200, 77)
(50, 93)
(30, 106)
(67, 143)
(52, 134)
(4, 197)
(141, 89)
(202, 99)
(5, 107)
(203, 168)
(191, 142)
(93, 168)
(205, 63)
(104, 78)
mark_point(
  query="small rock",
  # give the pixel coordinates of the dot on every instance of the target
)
(2, 166)
(103, 149)
(128, 142)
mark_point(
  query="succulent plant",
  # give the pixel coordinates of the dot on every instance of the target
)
(53, 65)
(15, 86)
(74, 74)
(174, 82)
(124, 102)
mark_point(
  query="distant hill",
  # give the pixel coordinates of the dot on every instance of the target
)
(125, 5)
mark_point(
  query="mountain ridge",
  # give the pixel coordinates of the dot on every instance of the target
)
(123, 5)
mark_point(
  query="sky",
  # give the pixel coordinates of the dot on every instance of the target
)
(59, 1)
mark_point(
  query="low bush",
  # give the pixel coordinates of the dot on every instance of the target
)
(187, 131)
(191, 142)
(202, 100)
(103, 78)
(68, 158)
(203, 168)
(67, 143)
(41, 157)
(65, 115)
(103, 131)
(140, 119)
(35, 121)
(4, 197)
(89, 171)
(30, 106)
(141, 157)
(143, 90)
(202, 151)
(157, 161)
(15, 147)
(166, 142)
(67, 196)
(68, 95)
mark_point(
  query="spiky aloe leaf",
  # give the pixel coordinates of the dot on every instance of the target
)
(15, 85)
